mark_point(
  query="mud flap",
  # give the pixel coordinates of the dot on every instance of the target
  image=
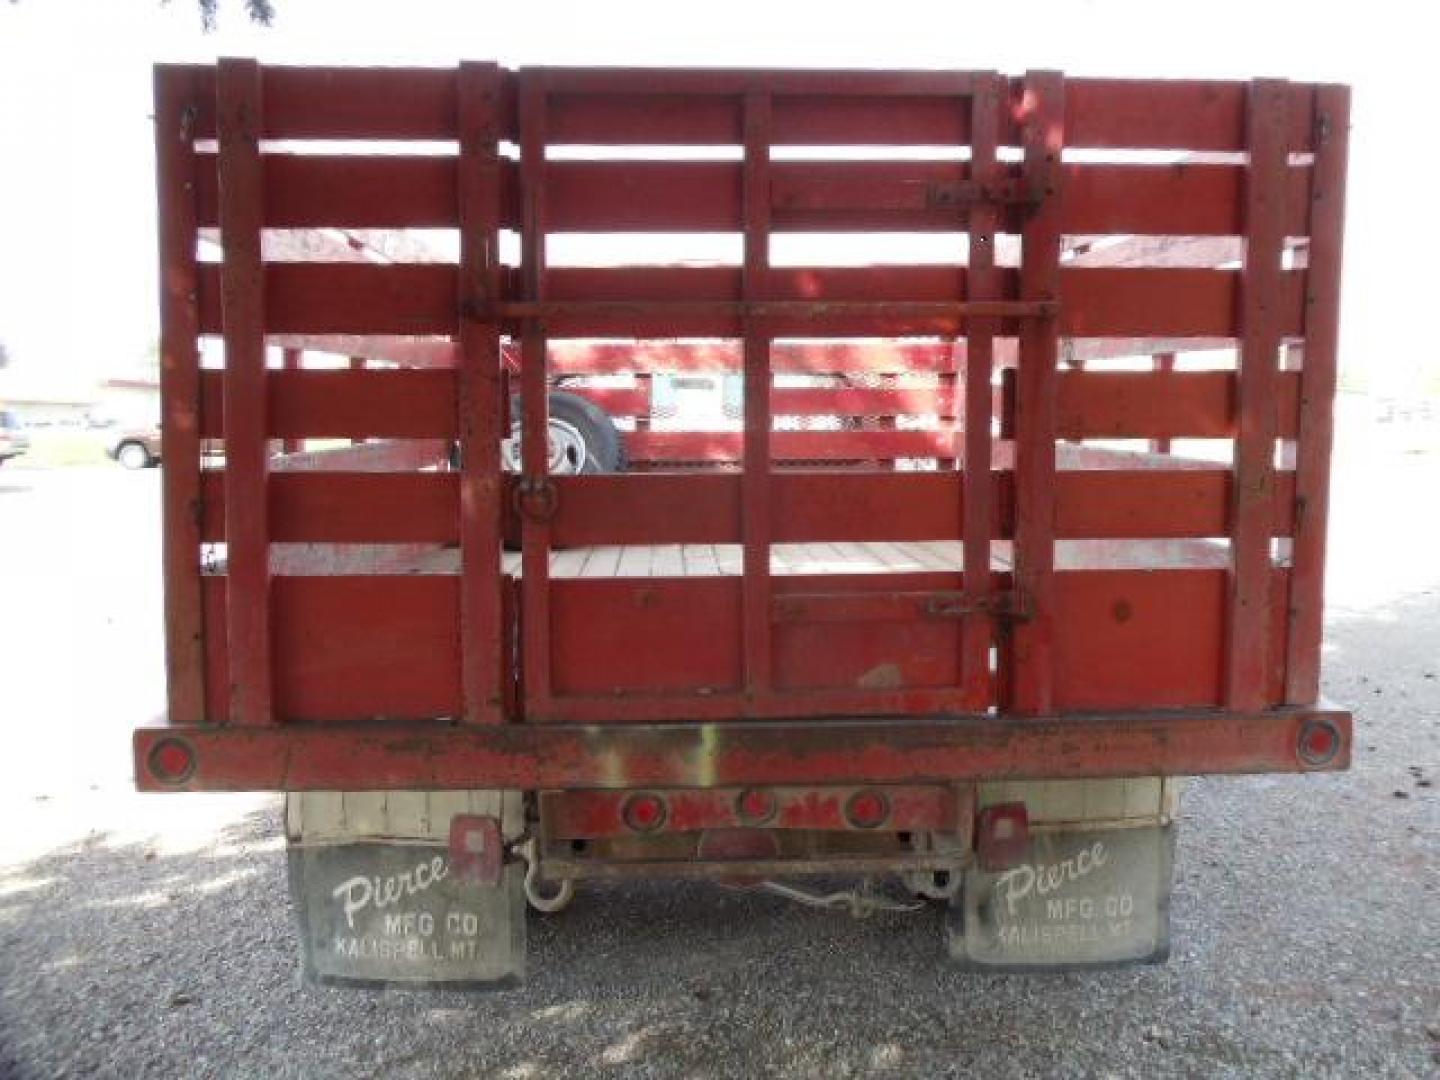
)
(1082, 899)
(392, 914)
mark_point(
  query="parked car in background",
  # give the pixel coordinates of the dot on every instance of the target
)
(134, 447)
(13, 440)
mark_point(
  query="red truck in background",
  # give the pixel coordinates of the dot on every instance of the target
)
(941, 602)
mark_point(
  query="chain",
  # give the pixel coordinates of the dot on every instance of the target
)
(861, 903)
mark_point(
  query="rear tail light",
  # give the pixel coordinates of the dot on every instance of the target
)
(755, 806)
(867, 809)
(644, 812)
(477, 850)
(1002, 836)
(172, 761)
(1318, 743)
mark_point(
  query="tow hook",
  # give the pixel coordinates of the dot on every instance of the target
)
(557, 901)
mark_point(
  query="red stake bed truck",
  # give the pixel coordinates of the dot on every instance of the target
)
(1010, 509)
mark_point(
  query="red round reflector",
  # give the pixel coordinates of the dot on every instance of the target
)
(867, 809)
(755, 806)
(644, 811)
(1319, 742)
(172, 761)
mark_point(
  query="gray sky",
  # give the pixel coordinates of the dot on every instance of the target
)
(77, 272)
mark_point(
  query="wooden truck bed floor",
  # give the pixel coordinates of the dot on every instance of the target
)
(709, 560)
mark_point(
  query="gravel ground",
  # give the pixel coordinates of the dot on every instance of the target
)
(150, 936)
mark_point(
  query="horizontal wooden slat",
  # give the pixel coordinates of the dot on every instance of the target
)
(1167, 200)
(344, 298)
(1163, 303)
(697, 119)
(1168, 625)
(421, 404)
(825, 85)
(916, 654)
(663, 508)
(877, 507)
(346, 103)
(339, 404)
(344, 191)
(351, 648)
(831, 607)
(658, 508)
(1100, 113)
(866, 507)
(837, 196)
(357, 191)
(653, 196)
(348, 507)
(1155, 503)
(680, 106)
(687, 628)
(1158, 405)
(1108, 302)
(1170, 114)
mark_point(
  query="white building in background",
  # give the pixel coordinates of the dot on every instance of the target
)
(39, 403)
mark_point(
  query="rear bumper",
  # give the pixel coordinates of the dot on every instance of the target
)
(443, 755)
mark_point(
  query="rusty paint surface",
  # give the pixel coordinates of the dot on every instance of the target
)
(587, 814)
(623, 756)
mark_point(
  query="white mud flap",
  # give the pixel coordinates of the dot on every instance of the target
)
(388, 910)
(1083, 898)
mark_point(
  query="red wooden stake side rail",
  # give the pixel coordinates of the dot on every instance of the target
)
(534, 384)
(978, 632)
(478, 394)
(755, 600)
(239, 110)
(1032, 680)
(1317, 394)
(1247, 670)
(178, 94)
(333, 672)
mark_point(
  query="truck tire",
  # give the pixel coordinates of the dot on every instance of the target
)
(583, 438)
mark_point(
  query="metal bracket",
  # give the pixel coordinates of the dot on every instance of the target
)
(895, 606)
(965, 194)
(1004, 605)
(536, 498)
